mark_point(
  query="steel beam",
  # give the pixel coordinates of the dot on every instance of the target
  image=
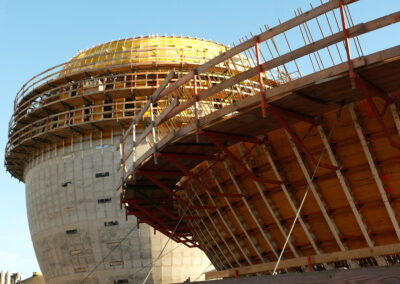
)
(159, 173)
(292, 114)
(230, 137)
(152, 220)
(365, 88)
(188, 156)
(170, 192)
(197, 179)
(239, 163)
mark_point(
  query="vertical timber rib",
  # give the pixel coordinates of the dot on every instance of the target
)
(225, 124)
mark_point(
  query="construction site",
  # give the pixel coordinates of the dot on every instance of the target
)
(164, 159)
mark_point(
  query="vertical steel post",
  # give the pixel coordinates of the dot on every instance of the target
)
(309, 264)
(263, 104)
(347, 47)
(121, 153)
(153, 130)
(196, 105)
(133, 148)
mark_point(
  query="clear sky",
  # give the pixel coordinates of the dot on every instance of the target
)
(36, 35)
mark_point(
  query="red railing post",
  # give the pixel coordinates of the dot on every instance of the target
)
(263, 105)
(309, 264)
(196, 104)
(347, 47)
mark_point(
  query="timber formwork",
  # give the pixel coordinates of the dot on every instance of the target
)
(296, 174)
(97, 93)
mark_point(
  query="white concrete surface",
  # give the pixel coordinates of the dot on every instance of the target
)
(63, 196)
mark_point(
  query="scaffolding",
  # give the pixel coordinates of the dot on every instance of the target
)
(232, 160)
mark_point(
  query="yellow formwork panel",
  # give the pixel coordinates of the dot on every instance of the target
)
(142, 50)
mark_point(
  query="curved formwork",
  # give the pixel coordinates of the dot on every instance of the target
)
(305, 167)
(63, 137)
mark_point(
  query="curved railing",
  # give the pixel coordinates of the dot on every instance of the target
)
(37, 104)
(106, 83)
(91, 87)
(67, 69)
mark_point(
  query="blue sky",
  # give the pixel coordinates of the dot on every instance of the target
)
(36, 35)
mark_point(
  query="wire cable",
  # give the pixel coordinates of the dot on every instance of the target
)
(169, 238)
(306, 193)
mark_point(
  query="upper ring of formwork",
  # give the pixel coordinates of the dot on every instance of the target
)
(102, 88)
(308, 167)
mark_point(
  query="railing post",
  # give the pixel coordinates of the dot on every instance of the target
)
(133, 147)
(153, 130)
(196, 104)
(263, 105)
(121, 152)
(347, 47)
(309, 264)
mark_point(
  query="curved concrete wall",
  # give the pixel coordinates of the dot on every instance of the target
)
(75, 222)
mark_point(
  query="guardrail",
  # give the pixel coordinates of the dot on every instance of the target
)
(148, 55)
(194, 105)
(71, 118)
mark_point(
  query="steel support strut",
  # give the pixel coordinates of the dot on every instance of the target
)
(233, 137)
(196, 105)
(346, 45)
(176, 197)
(175, 237)
(357, 81)
(278, 112)
(159, 207)
(366, 88)
(263, 106)
(156, 222)
(296, 139)
(197, 179)
(213, 138)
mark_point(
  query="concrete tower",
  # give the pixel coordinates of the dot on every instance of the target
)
(63, 139)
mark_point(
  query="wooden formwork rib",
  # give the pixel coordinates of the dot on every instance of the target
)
(254, 198)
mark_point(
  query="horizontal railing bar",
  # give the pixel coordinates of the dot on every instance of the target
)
(149, 102)
(327, 41)
(333, 4)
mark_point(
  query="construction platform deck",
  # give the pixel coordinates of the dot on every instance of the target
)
(307, 166)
